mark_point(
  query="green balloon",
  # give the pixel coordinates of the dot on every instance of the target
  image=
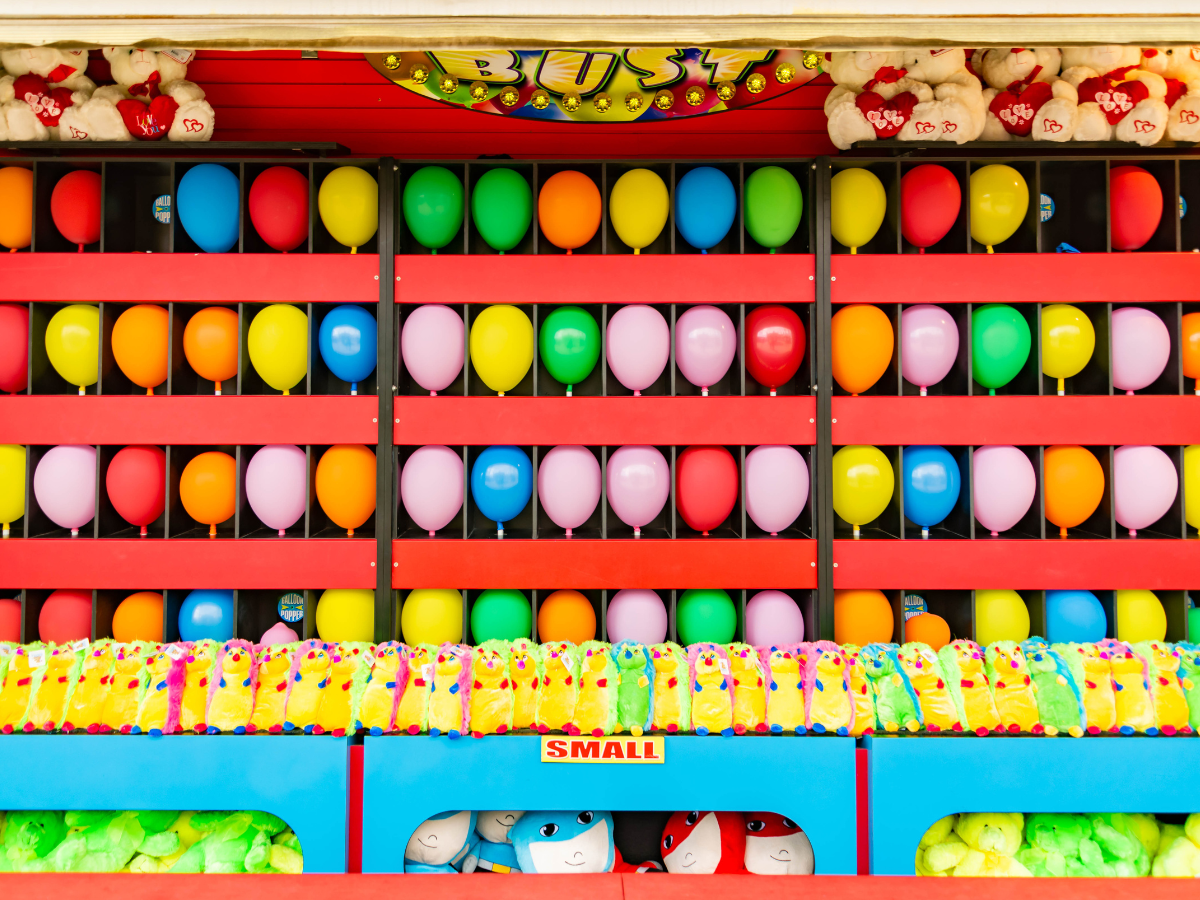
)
(433, 206)
(502, 208)
(1000, 343)
(703, 615)
(772, 204)
(569, 344)
(504, 614)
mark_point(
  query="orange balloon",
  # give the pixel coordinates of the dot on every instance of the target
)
(1074, 485)
(862, 617)
(210, 343)
(566, 616)
(346, 485)
(863, 342)
(569, 209)
(16, 207)
(928, 629)
(1190, 341)
(207, 488)
(139, 345)
(139, 617)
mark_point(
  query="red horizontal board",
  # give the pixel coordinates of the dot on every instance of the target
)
(562, 563)
(268, 73)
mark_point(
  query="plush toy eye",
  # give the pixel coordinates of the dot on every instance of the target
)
(692, 818)
(789, 823)
(755, 825)
(548, 830)
(585, 818)
(668, 841)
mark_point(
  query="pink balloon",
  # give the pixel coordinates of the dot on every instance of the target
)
(639, 483)
(431, 486)
(569, 485)
(705, 344)
(773, 618)
(1141, 347)
(277, 485)
(637, 615)
(432, 344)
(1003, 486)
(928, 344)
(278, 634)
(1144, 486)
(638, 346)
(64, 484)
(776, 487)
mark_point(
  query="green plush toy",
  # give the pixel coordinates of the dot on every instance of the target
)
(1059, 698)
(29, 837)
(286, 856)
(1053, 844)
(635, 691)
(107, 841)
(941, 849)
(895, 700)
(233, 842)
(1116, 849)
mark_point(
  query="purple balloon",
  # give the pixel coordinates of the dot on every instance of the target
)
(637, 615)
(1144, 486)
(1003, 486)
(1141, 347)
(64, 484)
(277, 485)
(431, 486)
(569, 485)
(773, 618)
(705, 344)
(776, 487)
(639, 483)
(432, 345)
(928, 344)
(638, 346)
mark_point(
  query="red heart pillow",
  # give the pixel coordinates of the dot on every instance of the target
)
(47, 104)
(1116, 100)
(148, 123)
(1016, 111)
(887, 117)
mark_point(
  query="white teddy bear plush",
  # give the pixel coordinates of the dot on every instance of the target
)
(42, 84)
(1180, 67)
(956, 112)
(871, 98)
(1007, 70)
(1117, 99)
(1025, 97)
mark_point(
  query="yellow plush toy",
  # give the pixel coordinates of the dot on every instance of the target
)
(86, 709)
(491, 693)
(861, 691)
(992, 840)
(523, 666)
(1012, 688)
(749, 690)
(941, 849)
(1135, 708)
(389, 668)
(1178, 850)
(198, 673)
(310, 678)
(274, 676)
(1166, 687)
(784, 668)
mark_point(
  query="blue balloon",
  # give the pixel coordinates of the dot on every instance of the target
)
(931, 484)
(705, 206)
(347, 340)
(208, 197)
(1074, 616)
(502, 483)
(206, 614)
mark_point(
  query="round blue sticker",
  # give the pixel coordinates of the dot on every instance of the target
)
(914, 605)
(162, 208)
(1182, 207)
(1047, 207)
(291, 607)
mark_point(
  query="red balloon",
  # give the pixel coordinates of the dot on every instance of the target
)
(930, 199)
(14, 347)
(706, 486)
(10, 621)
(66, 616)
(774, 345)
(75, 207)
(279, 207)
(136, 484)
(1135, 204)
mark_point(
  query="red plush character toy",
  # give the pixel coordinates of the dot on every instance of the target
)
(704, 843)
(776, 845)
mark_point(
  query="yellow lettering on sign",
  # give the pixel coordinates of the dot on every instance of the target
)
(603, 750)
(732, 65)
(574, 70)
(490, 66)
(659, 66)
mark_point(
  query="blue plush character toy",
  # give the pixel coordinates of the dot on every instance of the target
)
(440, 844)
(493, 850)
(576, 842)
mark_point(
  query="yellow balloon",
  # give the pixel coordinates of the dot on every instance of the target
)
(73, 344)
(1000, 616)
(502, 347)
(857, 205)
(999, 199)
(12, 483)
(432, 616)
(278, 345)
(1191, 485)
(1068, 340)
(1140, 617)
(863, 481)
(639, 205)
(346, 615)
(349, 205)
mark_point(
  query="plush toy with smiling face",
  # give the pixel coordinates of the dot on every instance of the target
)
(1179, 66)
(775, 845)
(42, 85)
(704, 843)
(635, 687)
(86, 707)
(1118, 100)
(1059, 701)
(493, 849)
(440, 843)
(1012, 688)
(231, 691)
(564, 842)
(381, 696)
(491, 691)
(963, 663)
(1025, 95)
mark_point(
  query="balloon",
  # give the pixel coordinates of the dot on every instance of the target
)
(639, 483)
(1000, 343)
(14, 347)
(636, 615)
(348, 203)
(1141, 348)
(431, 487)
(12, 484)
(16, 207)
(1074, 617)
(776, 487)
(1191, 485)
(348, 340)
(210, 344)
(66, 616)
(569, 209)
(1074, 485)
(928, 344)
(1144, 486)
(863, 482)
(139, 617)
(857, 205)
(278, 634)
(1068, 340)
(432, 616)
(999, 199)
(278, 206)
(774, 345)
(773, 619)
(569, 485)
(928, 629)
(277, 485)
(206, 614)
(432, 346)
(278, 346)
(705, 344)
(73, 344)
(64, 484)
(566, 616)
(1004, 486)
(1135, 207)
(705, 615)
(501, 614)
(75, 207)
(348, 615)
(569, 345)
(502, 347)
(772, 205)
(433, 206)
(208, 199)
(1000, 616)
(10, 622)
(638, 346)
(862, 617)
(502, 208)
(931, 486)
(502, 483)
(930, 199)
(862, 340)
(345, 485)
(139, 345)
(638, 207)
(705, 207)
(706, 487)
(136, 483)
(207, 488)
(1190, 345)
(1140, 617)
